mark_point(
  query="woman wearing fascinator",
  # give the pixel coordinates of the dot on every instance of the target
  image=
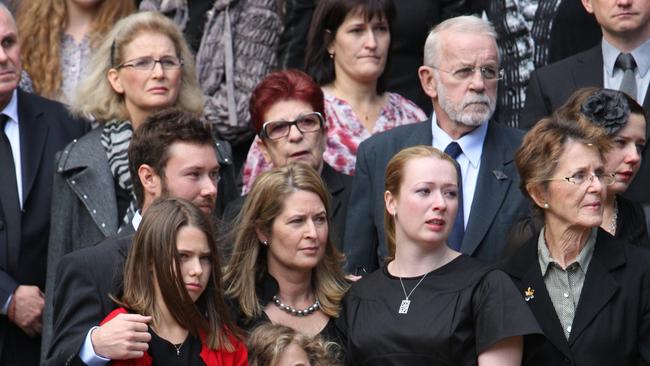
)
(624, 122)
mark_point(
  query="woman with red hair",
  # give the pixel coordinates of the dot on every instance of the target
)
(287, 115)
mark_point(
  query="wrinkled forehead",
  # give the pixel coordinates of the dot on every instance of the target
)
(7, 22)
(466, 48)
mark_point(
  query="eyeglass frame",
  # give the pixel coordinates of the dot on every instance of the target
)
(590, 178)
(264, 135)
(153, 66)
(500, 72)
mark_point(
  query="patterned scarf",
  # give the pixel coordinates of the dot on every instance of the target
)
(116, 136)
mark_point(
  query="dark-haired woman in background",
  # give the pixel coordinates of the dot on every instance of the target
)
(589, 291)
(346, 54)
(624, 122)
(172, 274)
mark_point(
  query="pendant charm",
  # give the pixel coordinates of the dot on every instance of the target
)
(404, 306)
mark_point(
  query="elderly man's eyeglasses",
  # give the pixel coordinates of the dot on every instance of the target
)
(147, 63)
(466, 73)
(580, 178)
(275, 130)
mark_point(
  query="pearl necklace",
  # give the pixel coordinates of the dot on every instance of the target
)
(293, 311)
(614, 219)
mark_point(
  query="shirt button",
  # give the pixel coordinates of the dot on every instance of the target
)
(566, 295)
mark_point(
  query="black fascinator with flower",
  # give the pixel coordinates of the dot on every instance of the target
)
(608, 109)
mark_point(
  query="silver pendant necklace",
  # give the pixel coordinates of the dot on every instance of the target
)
(178, 348)
(404, 306)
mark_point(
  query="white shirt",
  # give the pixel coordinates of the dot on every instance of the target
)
(13, 135)
(469, 161)
(612, 76)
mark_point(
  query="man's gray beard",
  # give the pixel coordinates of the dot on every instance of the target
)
(467, 118)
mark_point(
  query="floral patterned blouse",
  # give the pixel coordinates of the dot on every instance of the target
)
(344, 134)
(74, 58)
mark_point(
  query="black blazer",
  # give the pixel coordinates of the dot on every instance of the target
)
(612, 321)
(497, 203)
(551, 86)
(45, 128)
(84, 280)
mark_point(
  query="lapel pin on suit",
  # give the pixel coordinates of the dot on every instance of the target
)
(499, 175)
(529, 294)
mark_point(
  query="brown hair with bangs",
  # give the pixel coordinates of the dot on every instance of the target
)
(540, 151)
(154, 250)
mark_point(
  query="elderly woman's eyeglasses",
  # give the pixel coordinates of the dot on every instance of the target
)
(147, 63)
(466, 73)
(275, 130)
(580, 178)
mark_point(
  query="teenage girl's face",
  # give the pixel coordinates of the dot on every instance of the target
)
(195, 260)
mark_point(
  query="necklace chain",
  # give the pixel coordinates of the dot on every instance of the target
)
(413, 289)
(612, 224)
(293, 311)
(178, 348)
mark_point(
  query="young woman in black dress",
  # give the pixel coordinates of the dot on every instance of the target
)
(431, 305)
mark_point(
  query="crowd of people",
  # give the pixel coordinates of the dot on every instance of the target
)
(180, 188)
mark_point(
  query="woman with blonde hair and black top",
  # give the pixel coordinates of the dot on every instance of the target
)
(172, 274)
(284, 268)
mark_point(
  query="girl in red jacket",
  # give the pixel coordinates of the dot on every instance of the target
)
(172, 273)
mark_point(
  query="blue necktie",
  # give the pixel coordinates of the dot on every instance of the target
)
(458, 231)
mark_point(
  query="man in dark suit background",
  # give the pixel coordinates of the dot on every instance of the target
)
(626, 31)
(33, 130)
(171, 155)
(460, 75)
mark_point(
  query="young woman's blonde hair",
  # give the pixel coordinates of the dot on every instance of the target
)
(40, 26)
(393, 182)
(95, 97)
(248, 261)
(268, 341)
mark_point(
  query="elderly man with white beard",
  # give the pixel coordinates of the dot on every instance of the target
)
(460, 74)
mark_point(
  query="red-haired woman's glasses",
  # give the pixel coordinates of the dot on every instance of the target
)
(275, 130)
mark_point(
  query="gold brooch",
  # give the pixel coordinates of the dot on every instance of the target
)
(529, 294)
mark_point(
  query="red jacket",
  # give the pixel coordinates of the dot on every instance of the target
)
(211, 357)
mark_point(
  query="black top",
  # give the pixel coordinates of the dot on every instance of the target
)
(164, 353)
(458, 311)
(631, 223)
(266, 287)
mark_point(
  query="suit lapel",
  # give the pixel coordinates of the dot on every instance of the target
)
(588, 69)
(599, 286)
(334, 185)
(491, 188)
(33, 135)
(525, 266)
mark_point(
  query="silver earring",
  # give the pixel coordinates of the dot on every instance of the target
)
(265, 243)
(545, 205)
(332, 55)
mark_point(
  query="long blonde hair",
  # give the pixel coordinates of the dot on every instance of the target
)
(96, 97)
(40, 25)
(263, 204)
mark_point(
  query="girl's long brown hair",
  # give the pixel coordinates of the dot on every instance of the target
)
(154, 250)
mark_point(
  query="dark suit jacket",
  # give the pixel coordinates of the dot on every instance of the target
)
(45, 128)
(338, 185)
(84, 280)
(612, 321)
(497, 199)
(551, 86)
